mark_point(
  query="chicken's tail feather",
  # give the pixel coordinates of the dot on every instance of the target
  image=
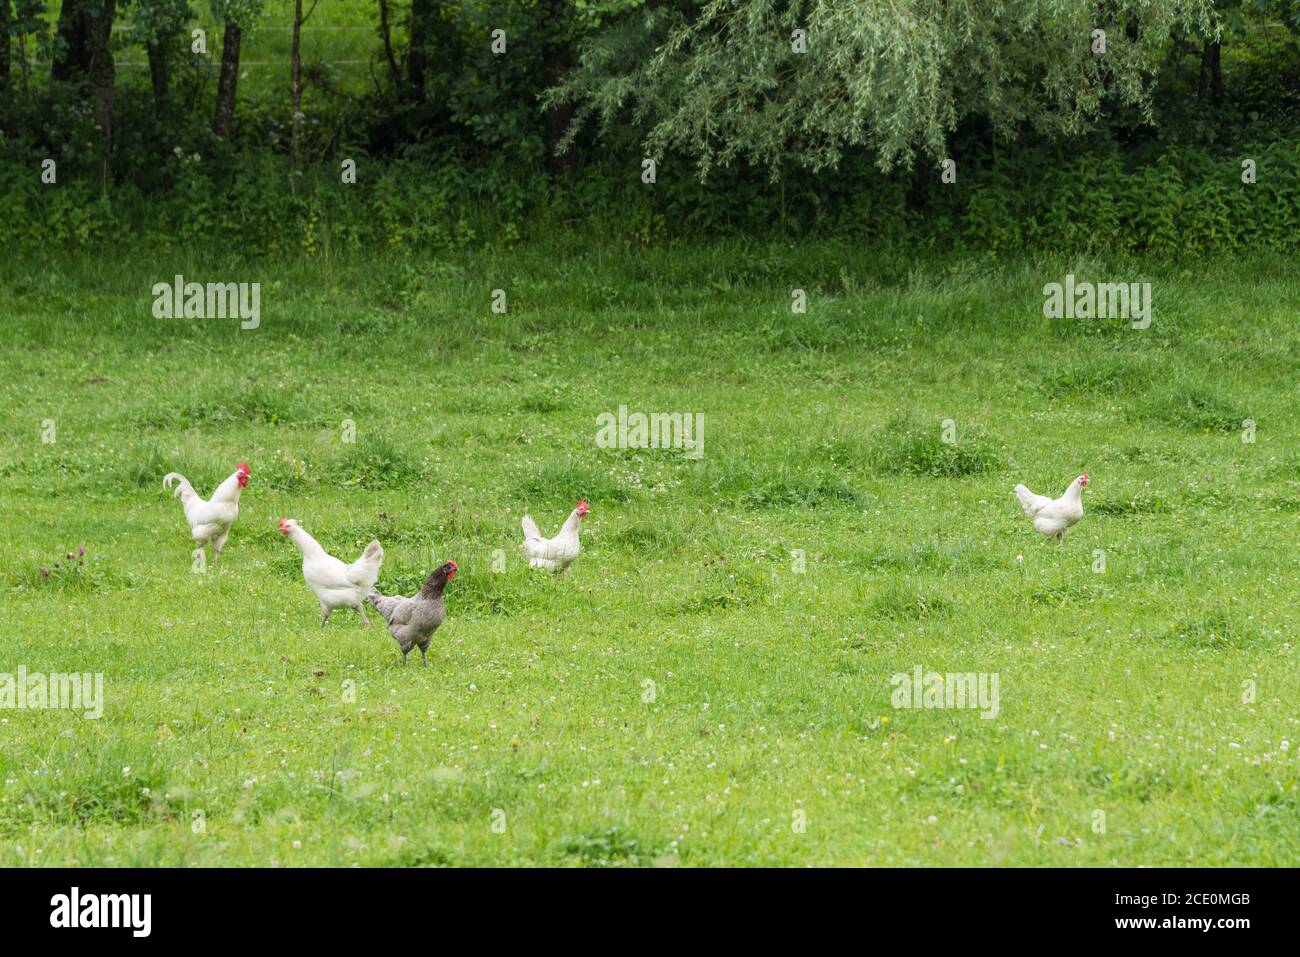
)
(183, 487)
(364, 572)
(380, 602)
(530, 528)
(1028, 500)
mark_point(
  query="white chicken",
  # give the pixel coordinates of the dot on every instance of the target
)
(336, 585)
(554, 554)
(1054, 517)
(210, 519)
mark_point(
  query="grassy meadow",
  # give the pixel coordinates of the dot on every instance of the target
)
(689, 686)
(338, 43)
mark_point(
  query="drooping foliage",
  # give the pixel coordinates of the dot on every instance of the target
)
(802, 81)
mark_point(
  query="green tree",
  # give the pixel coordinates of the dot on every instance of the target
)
(238, 16)
(160, 25)
(103, 74)
(726, 81)
(19, 20)
(83, 55)
(295, 76)
(71, 60)
(422, 25)
(6, 29)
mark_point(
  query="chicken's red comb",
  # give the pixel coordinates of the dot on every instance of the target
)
(243, 467)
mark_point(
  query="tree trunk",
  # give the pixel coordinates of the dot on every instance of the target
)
(1216, 75)
(417, 57)
(71, 52)
(158, 73)
(23, 68)
(228, 80)
(386, 35)
(555, 63)
(99, 33)
(5, 19)
(1210, 82)
(295, 82)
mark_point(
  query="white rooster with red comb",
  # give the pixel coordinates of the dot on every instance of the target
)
(1053, 517)
(558, 553)
(210, 519)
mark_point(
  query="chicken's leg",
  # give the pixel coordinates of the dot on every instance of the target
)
(324, 615)
(218, 544)
(424, 659)
(361, 609)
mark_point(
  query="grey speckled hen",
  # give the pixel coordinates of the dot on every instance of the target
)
(412, 621)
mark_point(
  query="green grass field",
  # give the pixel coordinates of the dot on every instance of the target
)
(1147, 712)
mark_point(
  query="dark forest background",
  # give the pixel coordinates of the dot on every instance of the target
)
(482, 123)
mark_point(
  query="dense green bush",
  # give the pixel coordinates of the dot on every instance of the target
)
(1185, 200)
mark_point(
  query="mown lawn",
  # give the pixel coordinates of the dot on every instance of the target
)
(1160, 692)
